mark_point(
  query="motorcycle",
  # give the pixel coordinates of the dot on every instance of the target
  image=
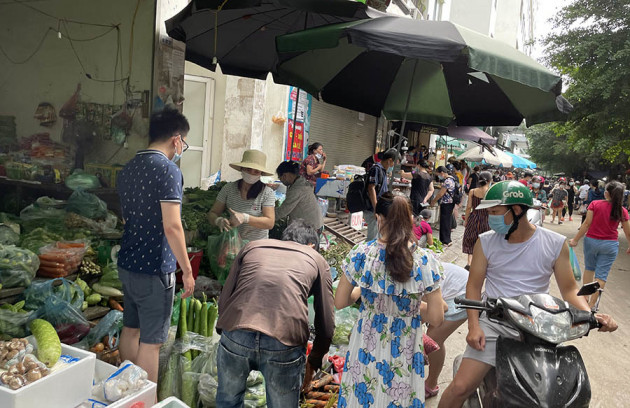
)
(536, 213)
(535, 371)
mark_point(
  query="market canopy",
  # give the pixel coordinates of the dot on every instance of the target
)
(487, 154)
(521, 162)
(241, 36)
(471, 133)
(433, 72)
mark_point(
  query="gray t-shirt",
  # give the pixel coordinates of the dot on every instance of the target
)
(231, 197)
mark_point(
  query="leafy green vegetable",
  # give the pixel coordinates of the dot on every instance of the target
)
(17, 266)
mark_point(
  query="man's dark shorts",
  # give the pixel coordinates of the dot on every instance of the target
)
(148, 304)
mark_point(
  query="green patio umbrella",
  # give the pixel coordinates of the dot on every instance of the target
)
(433, 72)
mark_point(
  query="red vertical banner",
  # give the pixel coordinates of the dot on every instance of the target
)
(296, 151)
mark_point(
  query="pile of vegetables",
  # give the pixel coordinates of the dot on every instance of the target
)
(437, 246)
(13, 320)
(37, 238)
(22, 367)
(336, 253)
(196, 322)
(322, 394)
(17, 266)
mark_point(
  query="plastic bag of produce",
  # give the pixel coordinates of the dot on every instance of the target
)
(110, 326)
(127, 380)
(17, 266)
(207, 388)
(61, 289)
(37, 238)
(80, 180)
(68, 321)
(61, 258)
(87, 205)
(8, 236)
(48, 202)
(222, 250)
(344, 322)
(34, 212)
(14, 324)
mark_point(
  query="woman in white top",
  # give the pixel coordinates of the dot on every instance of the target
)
(249, 202)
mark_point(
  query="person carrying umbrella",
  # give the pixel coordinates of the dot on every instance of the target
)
(447, 205)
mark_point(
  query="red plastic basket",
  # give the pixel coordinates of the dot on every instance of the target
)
(195, 262)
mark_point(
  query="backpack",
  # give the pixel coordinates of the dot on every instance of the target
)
(357, 197)
(457, 192)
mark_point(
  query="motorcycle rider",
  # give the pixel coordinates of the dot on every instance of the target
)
(503, 259)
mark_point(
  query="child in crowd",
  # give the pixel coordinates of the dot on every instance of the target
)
(422, 229)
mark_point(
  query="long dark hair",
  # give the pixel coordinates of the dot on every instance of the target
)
(615, 190)
(254, 190)
(397, 229)
(313, 147)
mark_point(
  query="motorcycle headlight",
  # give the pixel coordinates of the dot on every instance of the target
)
(555, 328)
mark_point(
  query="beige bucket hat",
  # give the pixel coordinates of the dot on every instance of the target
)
(253, 159)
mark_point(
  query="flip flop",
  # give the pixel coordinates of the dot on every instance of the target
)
(430, 393)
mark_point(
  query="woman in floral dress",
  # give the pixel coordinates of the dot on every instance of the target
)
(385, 362)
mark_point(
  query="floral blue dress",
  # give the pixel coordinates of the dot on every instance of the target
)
(385, 362)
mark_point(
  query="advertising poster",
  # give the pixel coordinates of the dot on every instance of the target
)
(298, 127)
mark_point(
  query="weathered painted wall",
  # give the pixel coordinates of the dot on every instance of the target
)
(53, 71)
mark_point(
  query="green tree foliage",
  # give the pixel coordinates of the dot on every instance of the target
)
(591, 48)
(550, 150)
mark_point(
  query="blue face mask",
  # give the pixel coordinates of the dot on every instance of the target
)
(176, 157)
(498, 225)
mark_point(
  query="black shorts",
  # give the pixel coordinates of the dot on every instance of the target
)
(148, 303)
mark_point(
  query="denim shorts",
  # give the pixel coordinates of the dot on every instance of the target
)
(453, 314)
(148, 303)
(599, 256)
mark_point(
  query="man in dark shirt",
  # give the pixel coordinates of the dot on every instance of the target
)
(377, 185)
(150, 189)
(263, 317)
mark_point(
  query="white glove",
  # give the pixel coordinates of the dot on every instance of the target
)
(238, 218)
(223, 224)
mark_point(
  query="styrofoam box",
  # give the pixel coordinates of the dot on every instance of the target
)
(146, 395)
(171, 402)
(63, 388)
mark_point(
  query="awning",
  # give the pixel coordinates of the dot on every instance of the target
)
(471, 133)
(521, 162)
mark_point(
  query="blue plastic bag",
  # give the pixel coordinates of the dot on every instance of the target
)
(35, 295)
(110, 326)
(575, 265)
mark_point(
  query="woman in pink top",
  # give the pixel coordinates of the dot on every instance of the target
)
(601, 244)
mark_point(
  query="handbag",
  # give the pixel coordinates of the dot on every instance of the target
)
(583, 209)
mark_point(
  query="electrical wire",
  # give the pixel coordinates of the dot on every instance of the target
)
(57, 18)
(27, 59)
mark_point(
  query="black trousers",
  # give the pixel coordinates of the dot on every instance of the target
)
(446, 212)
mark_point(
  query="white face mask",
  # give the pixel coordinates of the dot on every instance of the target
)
(248, 178)
(318, 155)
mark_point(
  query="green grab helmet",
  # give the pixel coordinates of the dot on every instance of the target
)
(507, 193)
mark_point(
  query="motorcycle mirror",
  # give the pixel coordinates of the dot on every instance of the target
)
(589, 289)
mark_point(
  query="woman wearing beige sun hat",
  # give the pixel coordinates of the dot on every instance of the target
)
(249, 202)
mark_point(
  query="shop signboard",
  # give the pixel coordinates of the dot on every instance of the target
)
(296, 141)
(356, 220)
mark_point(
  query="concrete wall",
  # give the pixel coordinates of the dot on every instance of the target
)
(473, 14)
(52, 74)
(508, 21)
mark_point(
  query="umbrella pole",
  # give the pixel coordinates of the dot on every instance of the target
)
(297, 99)
(413, 75)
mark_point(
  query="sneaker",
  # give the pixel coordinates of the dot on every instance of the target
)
(562, 219)
(560, 222)
(570, 218)
(467, 267)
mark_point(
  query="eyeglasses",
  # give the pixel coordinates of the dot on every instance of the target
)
(186, 146)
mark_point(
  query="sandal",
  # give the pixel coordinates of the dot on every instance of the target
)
(430, 393)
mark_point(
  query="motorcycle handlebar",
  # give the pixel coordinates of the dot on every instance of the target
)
(470, 304)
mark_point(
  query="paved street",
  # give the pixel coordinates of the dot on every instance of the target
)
(606, 355)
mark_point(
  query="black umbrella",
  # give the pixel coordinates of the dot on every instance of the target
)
(240, 37)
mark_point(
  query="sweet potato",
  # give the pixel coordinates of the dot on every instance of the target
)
(325, 380)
